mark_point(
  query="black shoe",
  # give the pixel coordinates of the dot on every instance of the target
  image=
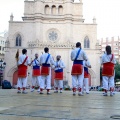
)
(41, 93)
(48, 93)
(60, 91)
(24, 92)
(18, 91)
(55, 91)
(74, 93)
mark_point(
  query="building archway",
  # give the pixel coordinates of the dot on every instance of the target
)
(11, 72)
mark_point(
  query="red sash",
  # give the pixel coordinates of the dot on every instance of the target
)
(86, 74)
(108, 69)
(22, 69)
(45, 70)
(36, 72)
(77, 69)
(58, 75)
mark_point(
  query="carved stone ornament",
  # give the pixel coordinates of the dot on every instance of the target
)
(53, 35)
(36, 44)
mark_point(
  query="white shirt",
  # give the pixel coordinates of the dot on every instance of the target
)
(44, 57)
(81, 56)
(37, 62)
(107, 58)
(86, 63)
(59, 63)
(22, 58)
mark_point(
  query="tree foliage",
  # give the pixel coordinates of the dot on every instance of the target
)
(117, 72)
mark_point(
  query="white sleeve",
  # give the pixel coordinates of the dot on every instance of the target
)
(88, 63)
(51, 60)
(62, 65)
(28, 61)
(72, 56)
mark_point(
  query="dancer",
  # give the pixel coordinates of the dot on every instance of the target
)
(46, 60)
(108, 62)
(36, 73)
(77, 56)
(86, 65)
(23, 62)
(59, 65)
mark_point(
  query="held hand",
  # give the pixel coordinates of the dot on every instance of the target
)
(30, 63)
(89, 66)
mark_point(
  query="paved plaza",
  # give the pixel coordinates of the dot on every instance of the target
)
(58, 106)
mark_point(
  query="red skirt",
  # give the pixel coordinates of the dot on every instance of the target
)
(77, 69)
(86, 75)
(36, 72)
(58, 75)
(22, 71)
(108, 69)
(45, 70)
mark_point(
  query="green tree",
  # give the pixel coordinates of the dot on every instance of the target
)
(100, 75)
(117, 72)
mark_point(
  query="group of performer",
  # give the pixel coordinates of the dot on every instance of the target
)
(41, 71)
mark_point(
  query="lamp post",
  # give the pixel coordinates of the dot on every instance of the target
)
(2, 67)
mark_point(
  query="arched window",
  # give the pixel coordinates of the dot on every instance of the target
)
(53, 9)
(18, 40)
(60, 10)
(86, 42)
(47, 9)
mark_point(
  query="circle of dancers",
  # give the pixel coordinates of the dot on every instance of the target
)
(42, 67)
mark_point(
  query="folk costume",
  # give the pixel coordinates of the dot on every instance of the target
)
(77, 56)
(23, 62)
(46, 61)
(108, 62)
(35, 73)
(58, 82)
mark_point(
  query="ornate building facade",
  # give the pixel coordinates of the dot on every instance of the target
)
(3, 36)
(57, 24)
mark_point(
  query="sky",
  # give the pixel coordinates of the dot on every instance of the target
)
(106, 12)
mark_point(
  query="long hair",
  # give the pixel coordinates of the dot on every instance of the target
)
(17, 55)
(108, 50)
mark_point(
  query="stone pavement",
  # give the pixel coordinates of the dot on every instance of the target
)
(58, 106)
